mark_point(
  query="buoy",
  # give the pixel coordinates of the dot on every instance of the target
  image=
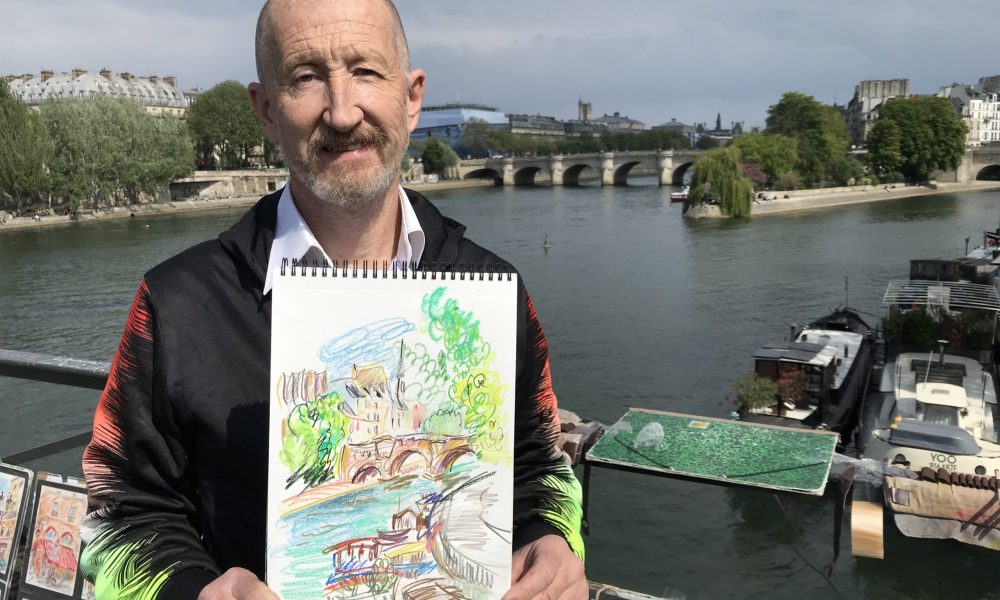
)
(546, 243)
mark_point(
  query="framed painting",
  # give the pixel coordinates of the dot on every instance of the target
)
(52, 556)
(15, 483)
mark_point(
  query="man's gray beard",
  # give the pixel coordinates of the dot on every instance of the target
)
(362, 199)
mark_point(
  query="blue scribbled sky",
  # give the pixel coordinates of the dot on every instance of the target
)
(648, 59)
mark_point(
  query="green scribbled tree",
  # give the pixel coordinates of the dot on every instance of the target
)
(473, 390)
(313, 432)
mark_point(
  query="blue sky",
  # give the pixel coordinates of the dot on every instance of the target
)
(649, 59)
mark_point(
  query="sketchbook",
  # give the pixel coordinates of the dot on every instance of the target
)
(391, 432)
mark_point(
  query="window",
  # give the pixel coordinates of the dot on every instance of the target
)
(56, 506)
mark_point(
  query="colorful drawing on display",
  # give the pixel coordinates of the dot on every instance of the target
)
(391, 472)
(14, 483)
(52, 558)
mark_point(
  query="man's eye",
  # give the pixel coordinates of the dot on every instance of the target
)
(367, 73)
(305, 78)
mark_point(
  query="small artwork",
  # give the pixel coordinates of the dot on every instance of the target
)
(391, 471)
(14, 485)
(52, 558)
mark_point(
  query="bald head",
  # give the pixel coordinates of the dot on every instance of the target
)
(264, 42)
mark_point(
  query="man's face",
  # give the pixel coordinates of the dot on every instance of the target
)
(338, 100)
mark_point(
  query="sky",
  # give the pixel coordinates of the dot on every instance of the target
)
(651, 60)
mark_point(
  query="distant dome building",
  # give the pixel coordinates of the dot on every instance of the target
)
(158, 96)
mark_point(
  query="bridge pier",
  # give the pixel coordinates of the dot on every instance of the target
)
(665, 163)
(556, 168)
(508, 172)
(607, 168)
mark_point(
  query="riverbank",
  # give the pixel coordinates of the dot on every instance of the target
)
(815, 199)
(162, 208)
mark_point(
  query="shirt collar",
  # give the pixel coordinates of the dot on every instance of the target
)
(294, 240)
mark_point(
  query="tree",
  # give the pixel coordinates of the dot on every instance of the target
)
(477, 138)
(884, 152)
(437, 156)
(222, 120)
(819, 129)
(931, 136)
(776, 155)
(754, 392)
(25, 152)
(108, 149)
(706, 142)
(718, 176)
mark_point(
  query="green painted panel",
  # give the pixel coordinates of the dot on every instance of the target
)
(723, 451)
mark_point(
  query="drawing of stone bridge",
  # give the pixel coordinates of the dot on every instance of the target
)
(389, 457)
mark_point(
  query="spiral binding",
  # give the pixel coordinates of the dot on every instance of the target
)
(412, 270)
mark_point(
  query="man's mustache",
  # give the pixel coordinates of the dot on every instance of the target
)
(331, 140)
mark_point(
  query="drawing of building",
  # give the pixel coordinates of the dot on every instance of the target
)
(55, 546)
(375, 408)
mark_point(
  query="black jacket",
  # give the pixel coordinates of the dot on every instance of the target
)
(177, 468)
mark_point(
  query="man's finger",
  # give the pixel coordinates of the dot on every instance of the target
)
(579, 590)
(532, 583)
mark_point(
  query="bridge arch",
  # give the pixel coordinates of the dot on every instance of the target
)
(621, 173)
(990, 173)
(485, 174)
(526, 176)
(678, 176)
(408, 461)
(365, 472)
(571, 176)
(448, 459)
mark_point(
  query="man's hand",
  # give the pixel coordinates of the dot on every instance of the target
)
(237, 584)
(548, 570)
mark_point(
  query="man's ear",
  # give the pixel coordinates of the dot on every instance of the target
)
(415, 97)
(262, 108)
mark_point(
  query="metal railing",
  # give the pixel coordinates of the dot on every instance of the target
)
(94, 375)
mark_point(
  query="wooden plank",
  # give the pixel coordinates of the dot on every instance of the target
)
(718, 451)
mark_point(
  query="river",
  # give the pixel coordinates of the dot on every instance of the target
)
(641, 307)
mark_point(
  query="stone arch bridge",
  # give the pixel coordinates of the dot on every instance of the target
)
(387, 457)
(612, 167)
(978, 164)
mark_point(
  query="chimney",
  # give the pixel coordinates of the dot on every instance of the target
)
(170, 80)
(126, 76)
(153, 79)
(106, 73)
(47, 75)
(77, 72)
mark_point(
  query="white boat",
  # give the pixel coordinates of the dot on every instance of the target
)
(680, 196)
(938, 413)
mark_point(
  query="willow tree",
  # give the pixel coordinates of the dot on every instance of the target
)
(718, 177)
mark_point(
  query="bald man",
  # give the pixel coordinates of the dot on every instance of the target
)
(177, 467)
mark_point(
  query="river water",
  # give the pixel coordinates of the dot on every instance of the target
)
(641, 307)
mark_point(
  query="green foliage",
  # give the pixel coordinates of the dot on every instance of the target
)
(25, 151)
(706, 142)
(917, 137)
(437, 156)
(776, 155)
(108, 148)
(819, 129)
(313, 431)
(847, 170)
(718, 176)
(222, 120)
(971, 329)
(754, 392)
(474, 390)
(477, 138)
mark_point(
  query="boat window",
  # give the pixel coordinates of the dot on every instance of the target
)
(934, 413)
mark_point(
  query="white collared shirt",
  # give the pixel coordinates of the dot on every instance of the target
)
(294, 240)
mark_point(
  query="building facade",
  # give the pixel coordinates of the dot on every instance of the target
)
(447, 121)
(157, 95)
(979, 110)
(617, 123)
(869, 95)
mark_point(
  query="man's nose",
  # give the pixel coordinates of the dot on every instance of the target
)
(342, 110)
